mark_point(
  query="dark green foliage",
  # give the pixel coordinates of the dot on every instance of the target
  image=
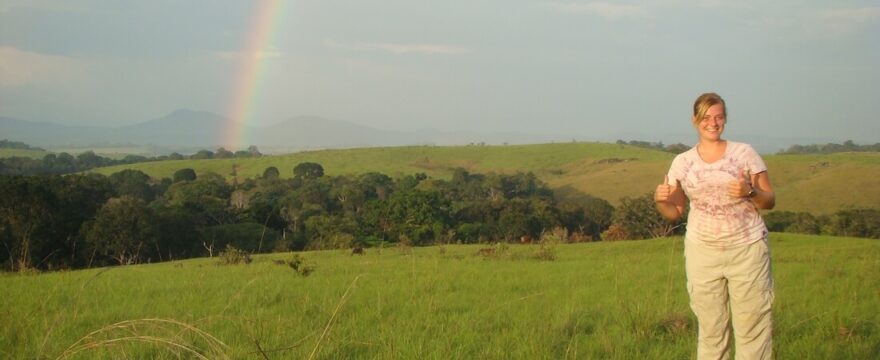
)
(6, 144)
(49, 222)
(677, 148)
(133, 183)
(202, 154)
(124, 230)
(222, 153)
(271, 173)
(308, 170)
(640, 220)
(184, 175)
(251, 237)
(855, 222)
(830, 148)
(40, 218)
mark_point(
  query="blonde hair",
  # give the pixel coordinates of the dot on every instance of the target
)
(704, 102)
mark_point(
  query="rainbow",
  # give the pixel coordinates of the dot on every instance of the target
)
(246, 87)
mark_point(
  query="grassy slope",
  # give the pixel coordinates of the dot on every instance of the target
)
(814, 183)
(33, 154)
(621, 300)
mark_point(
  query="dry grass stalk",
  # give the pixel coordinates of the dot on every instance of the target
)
(133, 332)
(339, 305)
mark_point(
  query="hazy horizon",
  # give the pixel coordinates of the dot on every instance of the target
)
(585, 69)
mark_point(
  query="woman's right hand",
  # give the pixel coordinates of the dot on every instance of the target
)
(664, 191)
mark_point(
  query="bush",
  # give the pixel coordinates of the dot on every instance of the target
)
(298, 264)
(232, 256)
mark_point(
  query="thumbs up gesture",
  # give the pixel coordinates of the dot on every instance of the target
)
(741, 187)
(664, 191)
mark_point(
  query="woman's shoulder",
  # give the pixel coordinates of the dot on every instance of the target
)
(687, 155)
(735, 146)
(739, 145)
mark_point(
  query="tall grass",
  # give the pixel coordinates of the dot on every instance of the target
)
(619, 300)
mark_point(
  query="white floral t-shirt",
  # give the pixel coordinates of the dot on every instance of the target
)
(715, 219)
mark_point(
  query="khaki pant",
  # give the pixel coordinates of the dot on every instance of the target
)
(733, 281)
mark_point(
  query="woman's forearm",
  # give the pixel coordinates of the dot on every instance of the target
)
(764, 200)
(668, 211)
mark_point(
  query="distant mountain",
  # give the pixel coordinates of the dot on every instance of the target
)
(45, 134)
(192, 130)
(187, 131)
(180, 128)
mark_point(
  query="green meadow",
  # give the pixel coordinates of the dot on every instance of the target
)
(819, 184)
(607, 300)
(26, 153)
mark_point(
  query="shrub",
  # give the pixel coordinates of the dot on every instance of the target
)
(232, 256)
(615, 233)
(298, 264)
(546, 252)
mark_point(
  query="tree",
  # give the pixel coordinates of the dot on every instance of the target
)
(184, 175)
(598, 216)
(222, 153)
(640, 219)
(856, 222)
(271, 173)
(25, 212)
(420, 216)
(203, 154)
(88, 160)
(122, 230)
(308, 170)
(134, 183)
(207, 196)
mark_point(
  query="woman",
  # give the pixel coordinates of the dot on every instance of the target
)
(727, 258)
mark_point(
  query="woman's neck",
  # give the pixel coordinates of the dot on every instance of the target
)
(712, 144)
(711, 150)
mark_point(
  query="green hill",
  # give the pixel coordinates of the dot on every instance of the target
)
(619, 300)
(819, 184)
(33, 154)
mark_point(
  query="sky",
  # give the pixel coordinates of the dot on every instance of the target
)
(584, 69)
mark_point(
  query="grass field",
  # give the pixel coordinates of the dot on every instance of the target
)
(33, 154)
(622, 300)
(820, 184)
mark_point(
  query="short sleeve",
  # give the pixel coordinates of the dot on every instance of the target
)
(754, 161)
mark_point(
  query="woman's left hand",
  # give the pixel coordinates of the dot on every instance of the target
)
(741, 187)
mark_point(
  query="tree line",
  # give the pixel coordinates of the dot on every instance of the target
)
(7, 144)
(847, 222)
(676, 148)
(84, 220)
(829, 148)
(64, 163)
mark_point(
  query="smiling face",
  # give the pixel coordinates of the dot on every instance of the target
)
(711, 125)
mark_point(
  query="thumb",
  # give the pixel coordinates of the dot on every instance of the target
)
(745, 176)
(666, 180)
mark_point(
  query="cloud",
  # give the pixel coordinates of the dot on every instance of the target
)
(848, 20)
(400, 49)
(20, 68)
(602, 9)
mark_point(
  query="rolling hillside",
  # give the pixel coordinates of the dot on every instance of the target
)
(819, 184)
(33, 154)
